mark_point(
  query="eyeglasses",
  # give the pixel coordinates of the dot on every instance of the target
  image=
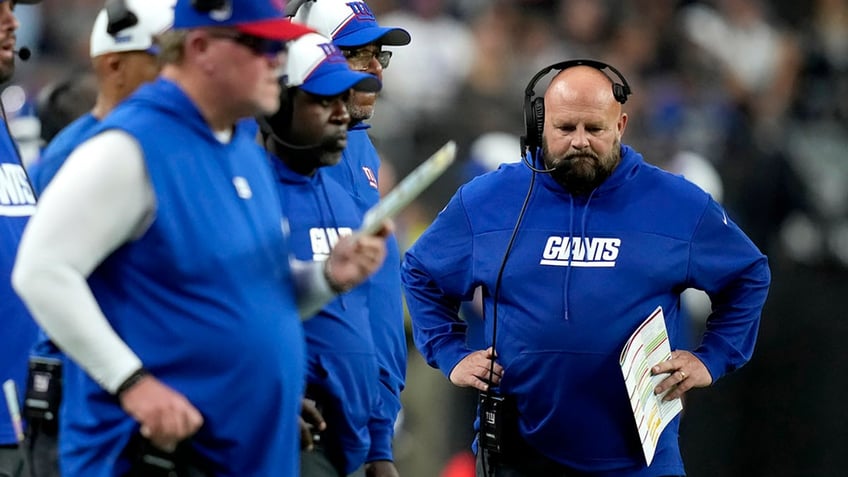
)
(259, 46)
(360, 59)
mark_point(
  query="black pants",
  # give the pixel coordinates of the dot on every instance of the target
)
(12, 462)
(316, 463)
(43, 444)
(328, 457)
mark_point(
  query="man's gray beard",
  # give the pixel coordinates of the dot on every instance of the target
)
(358, 113)
(585, 178)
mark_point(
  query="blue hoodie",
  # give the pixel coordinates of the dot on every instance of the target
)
(342, 372)
(204, 297)
(41, 172)
(17, 203)
(358, 172)
(583, 273)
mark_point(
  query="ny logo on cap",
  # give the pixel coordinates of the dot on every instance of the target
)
(361, 11)
(332, 53)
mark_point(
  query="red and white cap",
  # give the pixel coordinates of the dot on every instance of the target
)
(262, 18)
(317, 66)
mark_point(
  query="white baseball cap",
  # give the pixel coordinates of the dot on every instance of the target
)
(144, 19)
(349, 23)
(317, 66)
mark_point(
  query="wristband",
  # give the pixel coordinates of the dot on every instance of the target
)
(131, 381)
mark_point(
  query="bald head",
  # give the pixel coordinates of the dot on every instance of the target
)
(582, 87)
(583, 127)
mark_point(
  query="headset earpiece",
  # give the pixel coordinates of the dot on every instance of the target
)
(620, 92)
(119, 16)
(208, 5)
(292, 7)
(534, 107)
(538, 109)
(529, 127)
(282, 119)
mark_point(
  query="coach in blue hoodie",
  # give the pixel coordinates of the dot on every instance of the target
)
(308, 133)
(573, 256)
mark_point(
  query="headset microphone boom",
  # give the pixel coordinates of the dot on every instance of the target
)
(23, 53)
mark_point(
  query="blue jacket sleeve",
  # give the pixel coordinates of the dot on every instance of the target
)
(382, 422)
(387, 327)
(437, 276)
(735, 274)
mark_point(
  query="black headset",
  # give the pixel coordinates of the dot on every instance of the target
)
(534, 108)
(208, 5)
(120, 16)
(281, 120)
(293, 5)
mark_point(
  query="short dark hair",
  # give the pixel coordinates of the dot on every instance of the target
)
(61, 102)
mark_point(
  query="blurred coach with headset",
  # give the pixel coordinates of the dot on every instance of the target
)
(17, 203)
(574, 249)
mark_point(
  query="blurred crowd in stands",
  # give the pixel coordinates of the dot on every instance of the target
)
(747, 98)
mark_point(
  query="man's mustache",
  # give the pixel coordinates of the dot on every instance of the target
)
(569, 157)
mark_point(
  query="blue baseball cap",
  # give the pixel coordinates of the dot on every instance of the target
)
(261, 18)
(317, 66)
(348, 23)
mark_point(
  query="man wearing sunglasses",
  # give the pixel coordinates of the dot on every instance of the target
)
(171, 288)
(354, 29)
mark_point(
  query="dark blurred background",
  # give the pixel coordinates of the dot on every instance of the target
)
(747, 98)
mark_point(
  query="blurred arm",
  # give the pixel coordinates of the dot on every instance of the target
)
(100, 199)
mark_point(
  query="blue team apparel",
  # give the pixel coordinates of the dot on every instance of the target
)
(41, 172)
(358, 171)
(342, 373)
(204, 297)
(583, 273)
(17, 204)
